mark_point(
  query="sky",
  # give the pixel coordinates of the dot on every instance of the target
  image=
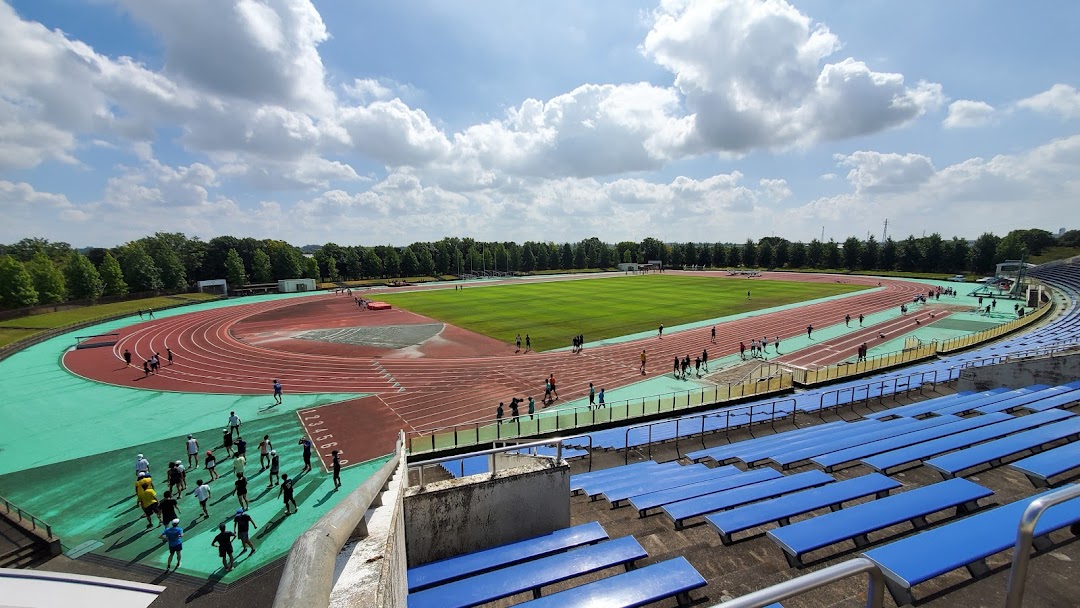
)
(387, 123)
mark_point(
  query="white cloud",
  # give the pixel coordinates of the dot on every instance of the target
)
(874, 172)
(753, 77)
(1060, 99)
(965, 198)
(967, 113)
(264, 52)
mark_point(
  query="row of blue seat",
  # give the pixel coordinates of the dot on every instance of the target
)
(532, 564)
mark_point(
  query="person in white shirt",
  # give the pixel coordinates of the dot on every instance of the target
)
(238, 464)
(264, 452)
(192, 451)
(142, 465)
(234, 424)
(202, 493)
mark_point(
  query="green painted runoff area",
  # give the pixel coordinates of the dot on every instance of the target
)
(603, 308)
(68, 447)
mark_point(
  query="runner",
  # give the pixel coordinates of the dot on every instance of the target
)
(192, 450)
(528, 343)
(275, 466)
(660, 331)
(277, 392)
(286, 489)
(174, 534)
(517, 342)
(241, 521)
(336, 470)
(705, 360)
(592, 396)
(714, 334)
(202, 493)
(223, 541)
(675, 367)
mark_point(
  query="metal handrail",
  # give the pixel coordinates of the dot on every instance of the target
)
(35, 522)
(875, 592)
(1025, 533)
(419, 466)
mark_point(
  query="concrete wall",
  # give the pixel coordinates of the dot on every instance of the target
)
(1051, 370)
(458, 516)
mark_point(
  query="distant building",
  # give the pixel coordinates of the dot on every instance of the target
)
(295, 285)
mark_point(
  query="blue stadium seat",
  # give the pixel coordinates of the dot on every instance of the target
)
(916, 453)
(991, 453)
(835, 460)
(454, 568)
(784, 508)
(720, 452)
(1061, 400)
(914, 410)
(645, 585)
(680, 511)
(963, 543)
(752, 456)
(854, 523)
(645, 486)
(1044, 465)
(594, 487)
(790, 457)
(529, 576)
(577, 481)
(648, 501)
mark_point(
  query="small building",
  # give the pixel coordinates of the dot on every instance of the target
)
(628, 267)
(217, 286)
(295, 285)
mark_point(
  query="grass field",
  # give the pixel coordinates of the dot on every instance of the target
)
(12, 330)
(553, 312)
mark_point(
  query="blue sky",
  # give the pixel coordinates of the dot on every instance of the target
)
(374, 123)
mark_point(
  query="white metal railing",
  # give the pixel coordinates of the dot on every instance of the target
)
(1025, 533)
(875, 592)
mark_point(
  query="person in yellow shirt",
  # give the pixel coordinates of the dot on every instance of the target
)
(146, 498)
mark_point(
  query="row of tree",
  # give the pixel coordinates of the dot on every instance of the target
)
(35, 270)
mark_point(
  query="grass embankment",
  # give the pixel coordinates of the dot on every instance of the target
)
(13, 330)
(553, 312)
(1054, 253)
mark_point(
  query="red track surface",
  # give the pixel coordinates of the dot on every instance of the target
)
(456, 378)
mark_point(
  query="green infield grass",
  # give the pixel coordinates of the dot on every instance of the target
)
(552, 312)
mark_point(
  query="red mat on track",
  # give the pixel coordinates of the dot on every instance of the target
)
(378, 306)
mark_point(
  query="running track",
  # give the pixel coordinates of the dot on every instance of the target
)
(428, 392)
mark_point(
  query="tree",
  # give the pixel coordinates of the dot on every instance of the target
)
(984, 252)
(331, 269)
(166, 249)
(391, 262)
(887, 259)
(831, 255)
(652, 249)
(734, 256)
(1070, 238)
(957, 254)
(286, 261)
(1034, 239)
(783, 254)
(83, 280)
(852, 253)
(719, 255)
(112, 277)
(934, 253)
(798, 254)
(765, 255)
(870, 253)
(371, 264)
(1011, 247)
(140, 272)
(311, 269)
(47, 278)
(528, 260)
(815, 254)
(426, 262)
(749, 253)
(261, 271)
(234, 269)
(16, 286)
(910, 255)
(410, 266)
(567, 258)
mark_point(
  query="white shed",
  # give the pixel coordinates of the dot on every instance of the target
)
(295, 285)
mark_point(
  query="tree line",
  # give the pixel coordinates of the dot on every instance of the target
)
(37, 271)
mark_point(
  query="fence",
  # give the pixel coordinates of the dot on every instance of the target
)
(839, 371)
(23, 516)
(962, 342)
(570, 419)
